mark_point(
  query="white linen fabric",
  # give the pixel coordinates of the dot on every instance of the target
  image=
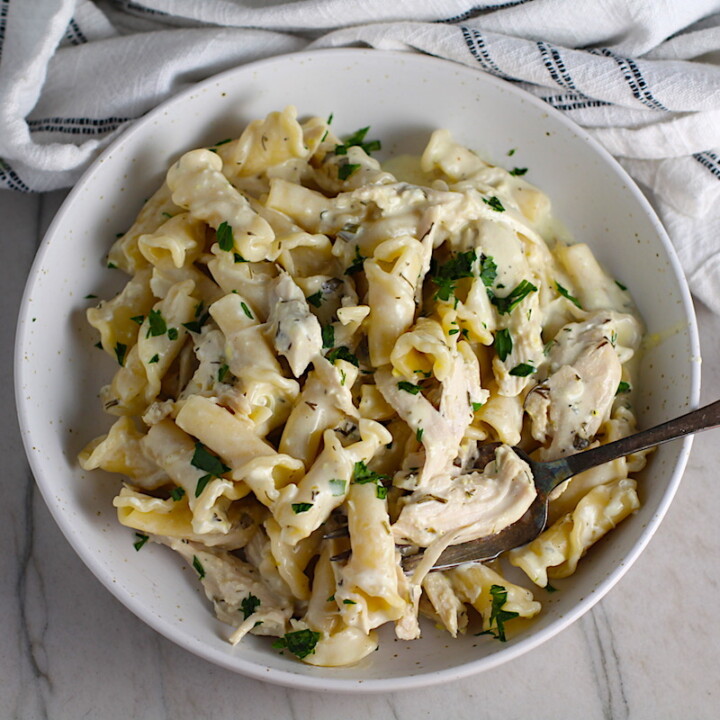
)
(642, 76)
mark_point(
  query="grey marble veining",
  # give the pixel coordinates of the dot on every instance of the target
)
(69, 650)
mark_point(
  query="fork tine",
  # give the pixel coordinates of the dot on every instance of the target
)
(338, 532)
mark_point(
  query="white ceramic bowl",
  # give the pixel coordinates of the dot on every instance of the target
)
(403, 97)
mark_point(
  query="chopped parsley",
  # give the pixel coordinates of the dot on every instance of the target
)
(238, 258)
(498, 616)
(522, 370)
(503, 343)
(300, 643)
(138, 319)
(91, 296)
(511, 152)
(222, 142)
(507, 304)
(156, 324)
(408, 387)
(246, 310)
(328, 336)
(342, 353)
(224, 237)
(347, 601)
(381, 492)
(196, 325)
(518, 171)
(444, 276)
(419, 433)
(211, 464)
(222, 372)
(298, 508)
(476, 406)
(620, 285)
(177, 493)
(623, 388)
(249, 605)
(488, 270)
(198, 567)
(155, 358)
(357, 139)
(141, 540)
(494, 202)
(567, 295)
(357, 263)
(120, 351)
(363, 475)
(315, 299)
(337, 486)
(346, 170)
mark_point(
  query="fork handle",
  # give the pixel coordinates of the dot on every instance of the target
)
(703, 418)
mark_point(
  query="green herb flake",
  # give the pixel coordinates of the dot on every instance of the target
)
(139, 319)
(511, 152)
(419, 433)
(518, 171)
(249, 605)
(224, 237)
(112, 265)
(154, 359)
(91, 296)
(238, 258)
(408, 387)
(141, 540)
(337, 486)
(120, 351)
(328, 336)
(222, 142)
(172, 333)
(196, 325)
(623, 388)
(621, 286)
(300, 643)
(199, 569)
(454, 331)
(549, 588)
(202, 459)
(381, 492)
(156, 324)
(349, 602)
(342, 353)
(202, 484)
(522, 370)
(246, 310)
(358, 139)
(444, 276)
(98, 345)
(488, 270)
(476, 406)
(357, 263)
(177, 493)
(498, 616)
(298, 508)
(167, 215)
(507, 304)
(346, 170)
(222, 372)
(567, 295)
(315, 299)
(362, 474)
(503, 343)
(494, 203)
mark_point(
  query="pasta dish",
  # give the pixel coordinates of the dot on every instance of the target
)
(312, 347)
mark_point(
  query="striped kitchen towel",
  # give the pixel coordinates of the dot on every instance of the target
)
(642, 76)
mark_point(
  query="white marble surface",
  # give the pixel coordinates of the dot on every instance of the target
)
(69, 650)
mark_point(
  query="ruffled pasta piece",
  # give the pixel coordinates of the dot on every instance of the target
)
(176, 243)
(445, 604)
(233, 438)
(117, 320)
(473, 582)
(121, 451)
(174, 518)
(557, 550)
(198, 185)
(301, 508)
(124, 253)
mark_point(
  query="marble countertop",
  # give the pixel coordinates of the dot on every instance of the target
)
(69, 649)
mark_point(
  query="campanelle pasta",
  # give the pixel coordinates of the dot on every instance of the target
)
(312, 348)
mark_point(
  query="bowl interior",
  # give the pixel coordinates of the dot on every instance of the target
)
(403, 97)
